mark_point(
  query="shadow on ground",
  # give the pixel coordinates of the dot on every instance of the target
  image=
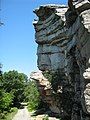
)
(45, 111)
(20, 105)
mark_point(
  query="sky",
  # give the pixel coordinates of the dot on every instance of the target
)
(17, 36)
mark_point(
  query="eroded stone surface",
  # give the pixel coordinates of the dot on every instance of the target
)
(45, 89)
(63, 38)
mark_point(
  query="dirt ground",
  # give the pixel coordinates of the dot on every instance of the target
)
(23, 114)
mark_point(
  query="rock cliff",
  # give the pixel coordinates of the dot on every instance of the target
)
(63, 38)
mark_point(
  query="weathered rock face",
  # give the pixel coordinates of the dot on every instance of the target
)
(63, 38)
(42, 83)
(45, 89)
(50, 29)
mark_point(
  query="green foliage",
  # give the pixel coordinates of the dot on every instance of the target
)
(5, 97)
(14, 83)
(32, 95)
(46, 117)
(14, 89)
(48, 75)
(55, 78)
(5, 100)
(0, 69)
(8, 115)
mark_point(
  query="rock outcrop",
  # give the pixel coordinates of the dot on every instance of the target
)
(42, 83)
(45, 90)
(63, 38)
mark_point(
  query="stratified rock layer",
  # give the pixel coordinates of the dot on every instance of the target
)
(45, 90)
(63, 38)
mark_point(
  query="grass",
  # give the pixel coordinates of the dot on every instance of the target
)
(9, 115)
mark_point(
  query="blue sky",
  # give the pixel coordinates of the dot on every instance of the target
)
(18, 48)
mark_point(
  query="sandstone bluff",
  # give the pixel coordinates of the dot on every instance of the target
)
(63, 38)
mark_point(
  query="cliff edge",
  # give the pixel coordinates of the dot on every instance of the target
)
(63, 38)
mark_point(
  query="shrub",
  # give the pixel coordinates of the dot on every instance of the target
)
(32, 96)
(5, 101)
(46, 117)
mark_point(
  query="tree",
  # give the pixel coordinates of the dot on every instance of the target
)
(5, 97)
(12, 86)
(0, 69)
(5, 100)
(14, 83)
(32, 95)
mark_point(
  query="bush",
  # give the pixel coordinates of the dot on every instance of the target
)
(5, 101)
(2, 116)
(13, 109)
(32, 96)
(8, 115)
(46, 117)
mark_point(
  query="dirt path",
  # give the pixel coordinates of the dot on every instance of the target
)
(22, 114)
